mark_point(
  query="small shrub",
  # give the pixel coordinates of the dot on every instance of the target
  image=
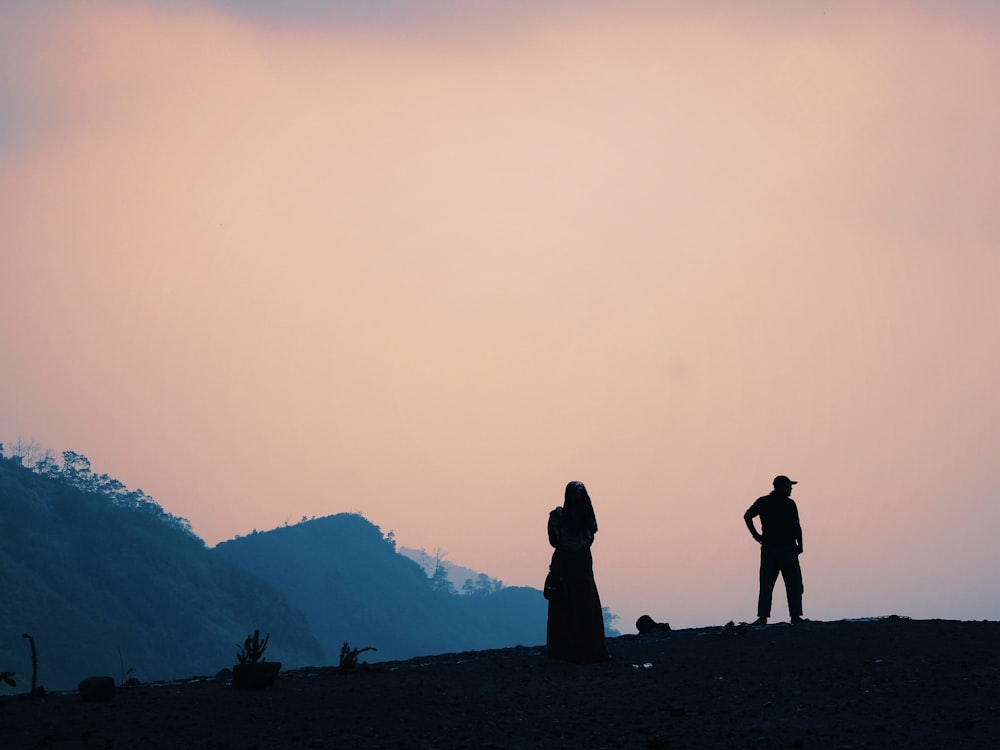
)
(252, 650)
(349, 656)
(128, 675)
(36, 690)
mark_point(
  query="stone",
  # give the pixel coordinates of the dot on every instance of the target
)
(96, 689)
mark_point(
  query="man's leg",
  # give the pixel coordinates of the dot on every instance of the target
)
(768, 576)
(791, 574)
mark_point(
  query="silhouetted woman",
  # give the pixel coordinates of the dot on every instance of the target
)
(575, 629)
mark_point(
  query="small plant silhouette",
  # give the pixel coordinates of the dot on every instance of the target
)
(128, 675)
(349, 656)
(252, 650)
(36, 689)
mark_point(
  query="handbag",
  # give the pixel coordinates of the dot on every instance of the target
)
(553, 588)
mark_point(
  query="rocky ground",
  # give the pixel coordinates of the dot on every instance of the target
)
(885, 683)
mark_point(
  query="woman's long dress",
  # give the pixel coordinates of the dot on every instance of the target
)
(575, 630)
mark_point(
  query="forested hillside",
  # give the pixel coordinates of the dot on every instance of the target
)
(101, 586)
(106, 581)
(353, 586)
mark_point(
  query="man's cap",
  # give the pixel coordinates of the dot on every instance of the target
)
(783, 480)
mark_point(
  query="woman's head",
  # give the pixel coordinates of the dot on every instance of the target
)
(576, 492)
(577, 507)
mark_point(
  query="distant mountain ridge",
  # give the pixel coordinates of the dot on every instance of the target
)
(353, 585)
(106, 581)
(457, 575)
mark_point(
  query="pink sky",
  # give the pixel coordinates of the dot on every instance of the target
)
(431, 274)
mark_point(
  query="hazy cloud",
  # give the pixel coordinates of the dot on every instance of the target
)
(266, 272)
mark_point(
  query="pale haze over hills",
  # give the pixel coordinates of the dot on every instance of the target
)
(430, 263)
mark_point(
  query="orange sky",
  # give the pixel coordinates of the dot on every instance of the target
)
(433, 273)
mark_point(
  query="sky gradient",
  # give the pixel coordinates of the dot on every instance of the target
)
(430, 266)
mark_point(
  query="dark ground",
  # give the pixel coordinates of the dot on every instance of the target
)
(887, 683)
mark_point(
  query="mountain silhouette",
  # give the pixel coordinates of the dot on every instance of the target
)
(352, 585)
(107, 582)
(104, 589)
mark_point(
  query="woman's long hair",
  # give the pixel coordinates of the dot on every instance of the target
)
(578, 511)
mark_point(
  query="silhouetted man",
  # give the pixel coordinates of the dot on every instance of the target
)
(780, 540)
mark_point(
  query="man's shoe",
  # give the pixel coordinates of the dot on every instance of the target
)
(760, 621)
(797, 620)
